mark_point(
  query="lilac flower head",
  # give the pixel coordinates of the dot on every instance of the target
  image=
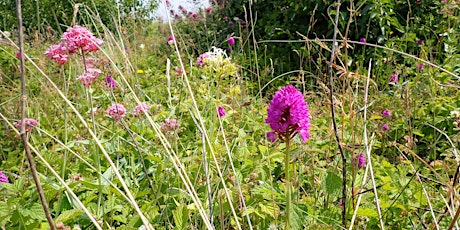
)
(394, 78)
(110, 82)
(288, 114)
(30, 122)
(116, 111)
(386, 113)
(231, 41)
(385, 127)
(3, 178)
(360, 159)
(141, 108)
(362, 40)
(221, 111)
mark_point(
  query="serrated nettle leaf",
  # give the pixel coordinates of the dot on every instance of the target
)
(69, 215)
(332, 184)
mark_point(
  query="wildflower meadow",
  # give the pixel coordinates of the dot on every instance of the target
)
(229, 114)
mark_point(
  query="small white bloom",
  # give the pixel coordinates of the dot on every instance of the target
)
(142, 46)
(455, 114)
(7, 34)
(142, 227)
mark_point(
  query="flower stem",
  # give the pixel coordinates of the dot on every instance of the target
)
(287, 157)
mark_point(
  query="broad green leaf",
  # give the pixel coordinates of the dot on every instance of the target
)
(68, 215)
(4, 209)
(367, 212)
(270, 208)
(333, 184)
(180, 216)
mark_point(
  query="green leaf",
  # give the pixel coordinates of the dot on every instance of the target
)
(180, 216)
(4, 209)
(333, 184)
(367, 212)
(68, 215)
(35, 212)
(270, 208)
(376, 117)
(418, 133)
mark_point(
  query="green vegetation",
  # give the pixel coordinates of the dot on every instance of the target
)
(185, 164)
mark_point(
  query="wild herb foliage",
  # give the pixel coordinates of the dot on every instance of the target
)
(191, 144)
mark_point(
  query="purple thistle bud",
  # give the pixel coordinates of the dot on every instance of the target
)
(420, 66)
(221, 111)
(109, 82)
(394, 78)
(360, 159)
(385, 127)
(386, 113)
(231, 41)
(420, 42)
(362, 40)
(170, 41)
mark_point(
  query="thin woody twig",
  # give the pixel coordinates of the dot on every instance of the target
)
(23, 132)
(331, 97)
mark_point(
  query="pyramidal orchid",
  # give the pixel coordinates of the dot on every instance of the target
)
(287, 117)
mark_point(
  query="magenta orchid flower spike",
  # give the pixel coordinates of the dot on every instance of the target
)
(288, 115)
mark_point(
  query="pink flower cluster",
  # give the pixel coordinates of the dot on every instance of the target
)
(141, 108)
(29, 124)
(116, 111)
(288, 115)
(169, 125)
(74, 39)
(58, 53)
(360, 160)
(3, 177)
(394, 78)
(79, 38)
(201, 61)
(89, 76)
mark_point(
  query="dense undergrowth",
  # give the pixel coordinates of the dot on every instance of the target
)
(196, 154)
